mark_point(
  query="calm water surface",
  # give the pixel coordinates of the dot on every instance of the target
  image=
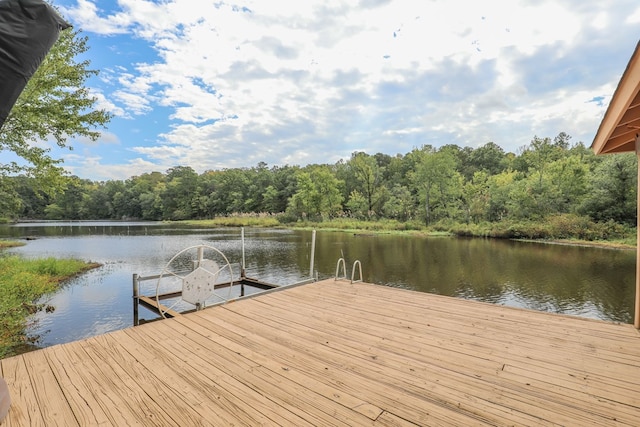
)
(583, 281)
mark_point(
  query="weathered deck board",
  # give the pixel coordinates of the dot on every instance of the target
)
(337, 354)
(396, 368)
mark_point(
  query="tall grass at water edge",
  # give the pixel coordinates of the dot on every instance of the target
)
(23, 284)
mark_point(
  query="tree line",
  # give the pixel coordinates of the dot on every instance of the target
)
(428, 184)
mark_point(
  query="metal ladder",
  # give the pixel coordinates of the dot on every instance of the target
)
(341, 262)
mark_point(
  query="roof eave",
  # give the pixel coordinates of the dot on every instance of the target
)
(616, 117)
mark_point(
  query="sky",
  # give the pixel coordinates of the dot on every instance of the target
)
(216, 85)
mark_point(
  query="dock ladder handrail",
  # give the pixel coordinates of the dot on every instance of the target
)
(342, 262)
(353, 271)
(344, 270)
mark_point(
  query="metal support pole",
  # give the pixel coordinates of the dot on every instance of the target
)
(136, 290)
(313, 252)
(200, 257)
(242, 276)
(636, 318)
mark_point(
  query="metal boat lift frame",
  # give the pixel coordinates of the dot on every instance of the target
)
(152, 302)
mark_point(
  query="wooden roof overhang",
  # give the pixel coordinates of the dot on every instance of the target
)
(619, 132)
(621, 122)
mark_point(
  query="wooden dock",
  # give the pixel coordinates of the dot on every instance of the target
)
(337, 354)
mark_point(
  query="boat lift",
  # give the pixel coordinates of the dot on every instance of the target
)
(201, 276)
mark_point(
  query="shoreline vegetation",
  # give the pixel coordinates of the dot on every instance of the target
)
(23, 284)
(558, 229)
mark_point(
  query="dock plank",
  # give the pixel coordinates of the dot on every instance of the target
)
(480, 350)
(334, 353)
(475, 315)
(318, 401)
(87, 410)
(175, 405)
(124, 402)
(517, 340)
(49, 396)
(24, 410)
(344, 370)
(178, 375)
(232, 397)
(322, 388)
(399, 371)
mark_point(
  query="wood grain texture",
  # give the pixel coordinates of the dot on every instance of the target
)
(334, 353)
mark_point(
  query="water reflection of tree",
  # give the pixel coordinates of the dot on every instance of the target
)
(564, 279)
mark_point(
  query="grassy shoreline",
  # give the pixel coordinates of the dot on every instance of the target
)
(23, 282)
(4, 244)
(564, 229)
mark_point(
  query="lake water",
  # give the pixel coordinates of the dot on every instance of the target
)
(584, 281)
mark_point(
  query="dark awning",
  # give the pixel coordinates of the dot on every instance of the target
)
(28, 29)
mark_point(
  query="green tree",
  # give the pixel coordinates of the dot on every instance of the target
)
(179, 193)
(270, 200)
(230, 194)
(10, 200)
(489, 158)
(437, 181)
(500, 188)
(96, 202)
(69, 204)
(540, 153)
(55, 104)
(260, 178)
(23, 192)
(397, 170)
(151, 204)
(358, 205)
(525, 198)
(368, 176)
(613, 190)
(145, 192)
(318, 194)
(569, 183)
(400, 205)
(476, 197)
(548, 182)
(283, 187)
(112, 209)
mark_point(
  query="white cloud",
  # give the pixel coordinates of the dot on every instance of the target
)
(102, 103)
(634, 17)
(135, 103)
(87, 15)
(97, 169)
(308, 81)
(106, 138)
